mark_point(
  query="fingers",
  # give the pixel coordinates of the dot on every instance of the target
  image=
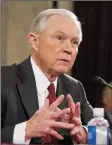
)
(59, 112)
(80, 134)
(56, 103)
(46, 105)
(65, 117)
(62, 125)
(77, 121)
(71, 103)
(82, 138)
(76, 130)
(70, 100)
(79, 138)
(77, 109)
(55, 134)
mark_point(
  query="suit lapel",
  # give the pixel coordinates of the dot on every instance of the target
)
(62, 89)
(29, 97)
(27, 89)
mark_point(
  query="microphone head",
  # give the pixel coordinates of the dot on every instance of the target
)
(98, 79)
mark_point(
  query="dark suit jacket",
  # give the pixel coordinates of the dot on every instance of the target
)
(20, 101)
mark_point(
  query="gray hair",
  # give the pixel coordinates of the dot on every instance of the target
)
(39, 22)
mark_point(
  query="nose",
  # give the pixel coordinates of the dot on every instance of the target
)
(68, 47)
(67, 51)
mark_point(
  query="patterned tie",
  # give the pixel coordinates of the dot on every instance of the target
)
(48, 139)
(51, 96)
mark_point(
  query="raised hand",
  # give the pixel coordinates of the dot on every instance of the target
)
(78, 132)
(43, 121)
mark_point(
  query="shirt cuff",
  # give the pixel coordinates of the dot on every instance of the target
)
(75, 142)
(19, 134)
(86, 128)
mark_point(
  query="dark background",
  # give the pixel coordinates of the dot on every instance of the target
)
(95, 52)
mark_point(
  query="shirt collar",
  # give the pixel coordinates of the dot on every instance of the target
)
(42, 82)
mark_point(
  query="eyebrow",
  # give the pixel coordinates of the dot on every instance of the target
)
(75, 37)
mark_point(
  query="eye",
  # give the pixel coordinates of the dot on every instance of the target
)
(75, 42)
(59, 37)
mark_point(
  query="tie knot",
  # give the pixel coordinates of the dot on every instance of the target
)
(51, 89)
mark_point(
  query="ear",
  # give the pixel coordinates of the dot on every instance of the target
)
(33, 40)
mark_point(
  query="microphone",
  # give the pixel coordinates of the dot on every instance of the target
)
(100, 80)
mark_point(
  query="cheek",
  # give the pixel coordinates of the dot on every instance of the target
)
(53, 51)
(49, 54)
(74, 55)
(50, 47)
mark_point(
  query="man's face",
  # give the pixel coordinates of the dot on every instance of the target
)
(57, 46)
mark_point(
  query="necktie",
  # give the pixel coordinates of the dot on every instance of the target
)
(48, 139)
(51, 96)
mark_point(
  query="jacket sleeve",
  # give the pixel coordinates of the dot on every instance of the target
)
(7, 134)
(86, 108)
(6, 131)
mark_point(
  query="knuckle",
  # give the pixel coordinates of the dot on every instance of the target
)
(47, 129)
(55, 133)
(55, 115)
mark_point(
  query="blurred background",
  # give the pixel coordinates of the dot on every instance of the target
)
(95, 52)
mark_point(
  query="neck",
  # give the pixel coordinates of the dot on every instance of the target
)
(51, 75)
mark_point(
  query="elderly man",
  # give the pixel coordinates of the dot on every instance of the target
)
(40, 103)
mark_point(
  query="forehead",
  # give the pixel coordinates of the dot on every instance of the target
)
(57, 23)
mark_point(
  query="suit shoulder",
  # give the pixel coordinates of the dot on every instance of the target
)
(8, 69)
(70, 79)
(8, 73)
(74, 81)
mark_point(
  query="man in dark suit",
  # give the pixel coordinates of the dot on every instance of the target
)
(28, 115)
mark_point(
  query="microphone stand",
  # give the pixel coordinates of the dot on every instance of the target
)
(99, 79)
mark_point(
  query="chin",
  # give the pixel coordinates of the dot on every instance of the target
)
(62, 70)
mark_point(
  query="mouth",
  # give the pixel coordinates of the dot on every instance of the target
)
(64, 60)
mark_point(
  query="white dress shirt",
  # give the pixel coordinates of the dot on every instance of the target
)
(42, 84)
